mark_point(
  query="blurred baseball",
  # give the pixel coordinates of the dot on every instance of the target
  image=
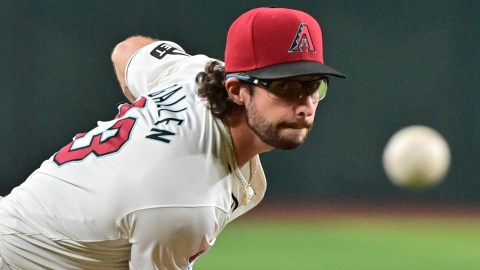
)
(416, 157)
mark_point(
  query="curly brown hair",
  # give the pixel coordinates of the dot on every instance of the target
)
(211, 83)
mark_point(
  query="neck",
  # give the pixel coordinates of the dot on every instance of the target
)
(246, 143)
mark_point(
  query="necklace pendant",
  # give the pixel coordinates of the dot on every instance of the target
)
(246, 198)
(248, 194)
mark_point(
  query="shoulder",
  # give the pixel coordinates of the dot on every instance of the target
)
(159, 63)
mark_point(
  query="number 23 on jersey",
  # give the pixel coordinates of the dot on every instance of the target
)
(100, 142)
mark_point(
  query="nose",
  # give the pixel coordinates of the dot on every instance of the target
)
(306, 106)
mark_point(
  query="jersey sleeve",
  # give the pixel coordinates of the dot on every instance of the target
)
(152, 63)
(171, 237)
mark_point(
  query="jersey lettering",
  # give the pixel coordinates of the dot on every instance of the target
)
(156, 134)
(166, 121)
(164, 49)
(169, 104)
(166, 98)
(104, 143)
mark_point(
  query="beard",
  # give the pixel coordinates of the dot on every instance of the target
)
(283, 135)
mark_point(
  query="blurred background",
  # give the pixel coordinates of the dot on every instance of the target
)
(408, 62)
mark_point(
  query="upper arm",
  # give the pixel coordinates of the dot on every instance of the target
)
(121, 55)
(152, 65)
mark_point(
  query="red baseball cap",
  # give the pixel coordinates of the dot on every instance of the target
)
(274, 43)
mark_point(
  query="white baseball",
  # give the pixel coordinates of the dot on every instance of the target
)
(416, 157)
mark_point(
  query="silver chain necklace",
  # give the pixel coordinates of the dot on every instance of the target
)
(248, 190)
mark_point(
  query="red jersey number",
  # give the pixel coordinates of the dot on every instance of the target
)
(104, 143)
(107, 142)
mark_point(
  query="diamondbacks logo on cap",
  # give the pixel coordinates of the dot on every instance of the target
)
(302, 40)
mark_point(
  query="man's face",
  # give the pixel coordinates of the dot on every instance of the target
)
(279, 123)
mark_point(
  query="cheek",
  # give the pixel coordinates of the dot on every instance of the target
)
(315, 110)
(271, 111)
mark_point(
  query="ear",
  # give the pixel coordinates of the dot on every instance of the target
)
(234, 90)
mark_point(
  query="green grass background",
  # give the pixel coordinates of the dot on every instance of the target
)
(347, 243)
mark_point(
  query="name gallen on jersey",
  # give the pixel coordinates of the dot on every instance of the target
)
(169, 104)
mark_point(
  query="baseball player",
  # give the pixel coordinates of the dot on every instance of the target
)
(154, 187)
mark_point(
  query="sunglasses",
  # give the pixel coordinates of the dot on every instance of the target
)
(287, 89)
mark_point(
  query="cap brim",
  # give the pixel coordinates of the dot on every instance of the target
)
(294, 69)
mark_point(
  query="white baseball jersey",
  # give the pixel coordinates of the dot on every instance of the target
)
(150, 189)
